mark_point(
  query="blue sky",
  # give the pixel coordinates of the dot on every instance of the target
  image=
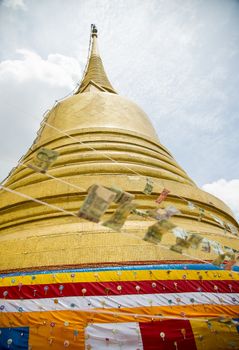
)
(177, 59)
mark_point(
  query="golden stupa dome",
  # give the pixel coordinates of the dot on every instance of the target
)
(96, 109)
(106, 139)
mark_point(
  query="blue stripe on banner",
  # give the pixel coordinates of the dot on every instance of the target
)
(125, 268)
(237, 327)
(14, 338)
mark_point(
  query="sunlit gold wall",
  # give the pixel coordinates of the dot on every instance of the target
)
(33, 235)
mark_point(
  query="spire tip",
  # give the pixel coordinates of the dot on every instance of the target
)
(94, 77)
(94, 30)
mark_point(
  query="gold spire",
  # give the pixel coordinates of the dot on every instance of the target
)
(95, 77)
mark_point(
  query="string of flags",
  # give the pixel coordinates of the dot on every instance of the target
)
(157, 214)
(75, 215)
(23, 195)
(99, 199)
(45, 158)
(185, 240)
(149, 189)
(226, 226)
(229, 265)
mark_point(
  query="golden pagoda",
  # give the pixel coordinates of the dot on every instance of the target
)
(69, 282)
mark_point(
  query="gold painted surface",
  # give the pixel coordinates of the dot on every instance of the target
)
(33, 235)
(98, 110)
(95, 73)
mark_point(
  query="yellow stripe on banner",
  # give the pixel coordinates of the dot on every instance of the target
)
(118, 275)
(53, 328)
(215, 335)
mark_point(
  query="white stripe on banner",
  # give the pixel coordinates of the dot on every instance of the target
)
(116, 301)
(113, 336)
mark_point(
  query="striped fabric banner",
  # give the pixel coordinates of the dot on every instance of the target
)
(150, 307)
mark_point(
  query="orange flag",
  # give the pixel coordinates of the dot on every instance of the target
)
(162, 196)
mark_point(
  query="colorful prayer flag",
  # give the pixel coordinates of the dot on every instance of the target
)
(148, 186)
(162, 196)
(117, 220)
(156, 231)
(121, 196)
(96, 203)
(44, 159)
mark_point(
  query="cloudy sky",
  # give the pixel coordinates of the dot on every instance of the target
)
(177, 59)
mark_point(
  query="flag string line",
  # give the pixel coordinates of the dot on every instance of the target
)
(122, 165)
(23, 195)
(167, 248)
(72, 214)
(55, 178)
(83, 189)
(229, 236)
(91, 148)
(105, 155)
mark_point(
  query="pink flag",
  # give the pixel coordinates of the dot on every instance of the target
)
(162, 196)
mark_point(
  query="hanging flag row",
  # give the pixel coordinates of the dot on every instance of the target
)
(185, 240)
(45, 158)
(226, 226)
(192, 206)
(99, 199)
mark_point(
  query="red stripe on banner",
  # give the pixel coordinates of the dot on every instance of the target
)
(167, 335)
(117, 288)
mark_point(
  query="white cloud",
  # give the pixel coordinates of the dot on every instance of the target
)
(29, 86)
(15, 4)
(228, 191)
(56, 70)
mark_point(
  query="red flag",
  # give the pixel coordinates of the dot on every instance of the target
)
(162, 196)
